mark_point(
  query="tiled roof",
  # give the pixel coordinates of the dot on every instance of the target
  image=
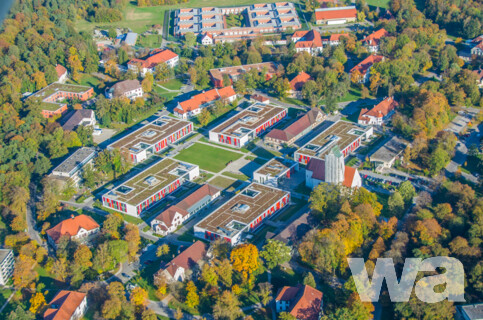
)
(125, 86)
(380, 110)
(195, 197)
(60, 70)
(77, 118)
(295, 128)
(335, 14)
(304, 304)
(349, 174)
(337, 36)
(479, 74)
(167, 216)
(200, 99)
(156, 57)
(312, 39)
(298, 82)
(72, 226)
(66, 302)
(375, 37)
(188, 258)
(365, 64)
(260, 98)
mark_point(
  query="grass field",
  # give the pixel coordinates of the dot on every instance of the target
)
(173, 84)
(150, 41)
(222, 182)
(141, 19)
(207, 157)
(238, 176)
(378, 3)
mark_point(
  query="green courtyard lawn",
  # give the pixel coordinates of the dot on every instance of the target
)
(222, 182)
(151, 41)
(173, 84)
(209, 158)
(378, 3)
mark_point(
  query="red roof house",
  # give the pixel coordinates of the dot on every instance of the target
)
(372, 41)
(309, 41)
(80, 228)
(66, 305)
(365, 65)
(61, 73)
(155, 57)
(380, 113)
(186, 260)
(336, 15)
(303, 302)
(193, 106)
(298, 82)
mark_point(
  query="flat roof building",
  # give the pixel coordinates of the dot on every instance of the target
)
(275, 170)
(152, 138)
(346, 135)
(149, 186)
(243, 213)
(72, 166)
(246, 125)
(469, 312)
(386, 155)
(7, 264)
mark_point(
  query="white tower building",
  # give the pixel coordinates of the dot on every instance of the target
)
(334, 166)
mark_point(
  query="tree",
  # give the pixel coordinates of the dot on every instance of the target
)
(309, 280)
(275, 252)
(407, 191)
(149, 314)
(281, 87)
(189, 39)
(112, 224)
(264, 292)
(83, 256)
(138, 296)
(147, 82)
(179, 314)
(395, 203)
(133, 239)
(209, 275)
(23, 275)
(59, 269)
(122, 56)
(112, 32)
(20, 314)
(286, 316)
(204, 117)
(84, 133)
(162, 250)
(244, 259)
(192, 297)
(227, 306)
(36, 302)
(225, 271)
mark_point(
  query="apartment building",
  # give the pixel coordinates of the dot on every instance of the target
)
(308, 41)
(150, 186)
(379, 114)
(155, 57)
(80, 228)
(193, 106)
(152, 138)
(246, 125)
(7, 264)
(130, 89)
(71, 168)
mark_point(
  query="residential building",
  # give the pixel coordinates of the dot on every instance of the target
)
(268, 69)
(207, 39)
(260, 98)
(7, 264)
(71, 168)
(152, 138)
(184, 263)
(247, 124)
(296, 230)
(479, 77)
(336, 15)
(308, 41)
(274, 171)
(297, 84)
(335, 38)
(477, 51)
(130, 39)
(303, 302)
(61, 73)
(131, 89)
(168, 220)
(150, 186)
(279, 137)
(80, 228)
(469, 312)
(193, 106)
(387, 154)
(82, 117)
(261, 18)
(372, 41)
(243, 213)
(380, 114)
(346, 135)
(331, 170)
(67, 305)
(363, 68)
(154, 58)
(53, 97)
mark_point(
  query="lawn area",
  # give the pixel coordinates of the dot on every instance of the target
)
(4, 294)
(378, 3)
(222, 182)
(259, 237)
(150, 41)
(173, 84)
(290, 211)
(353, 94)
(285, 277)
(238, 176)
(207, 157)
(294, 101)
(89, 80)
